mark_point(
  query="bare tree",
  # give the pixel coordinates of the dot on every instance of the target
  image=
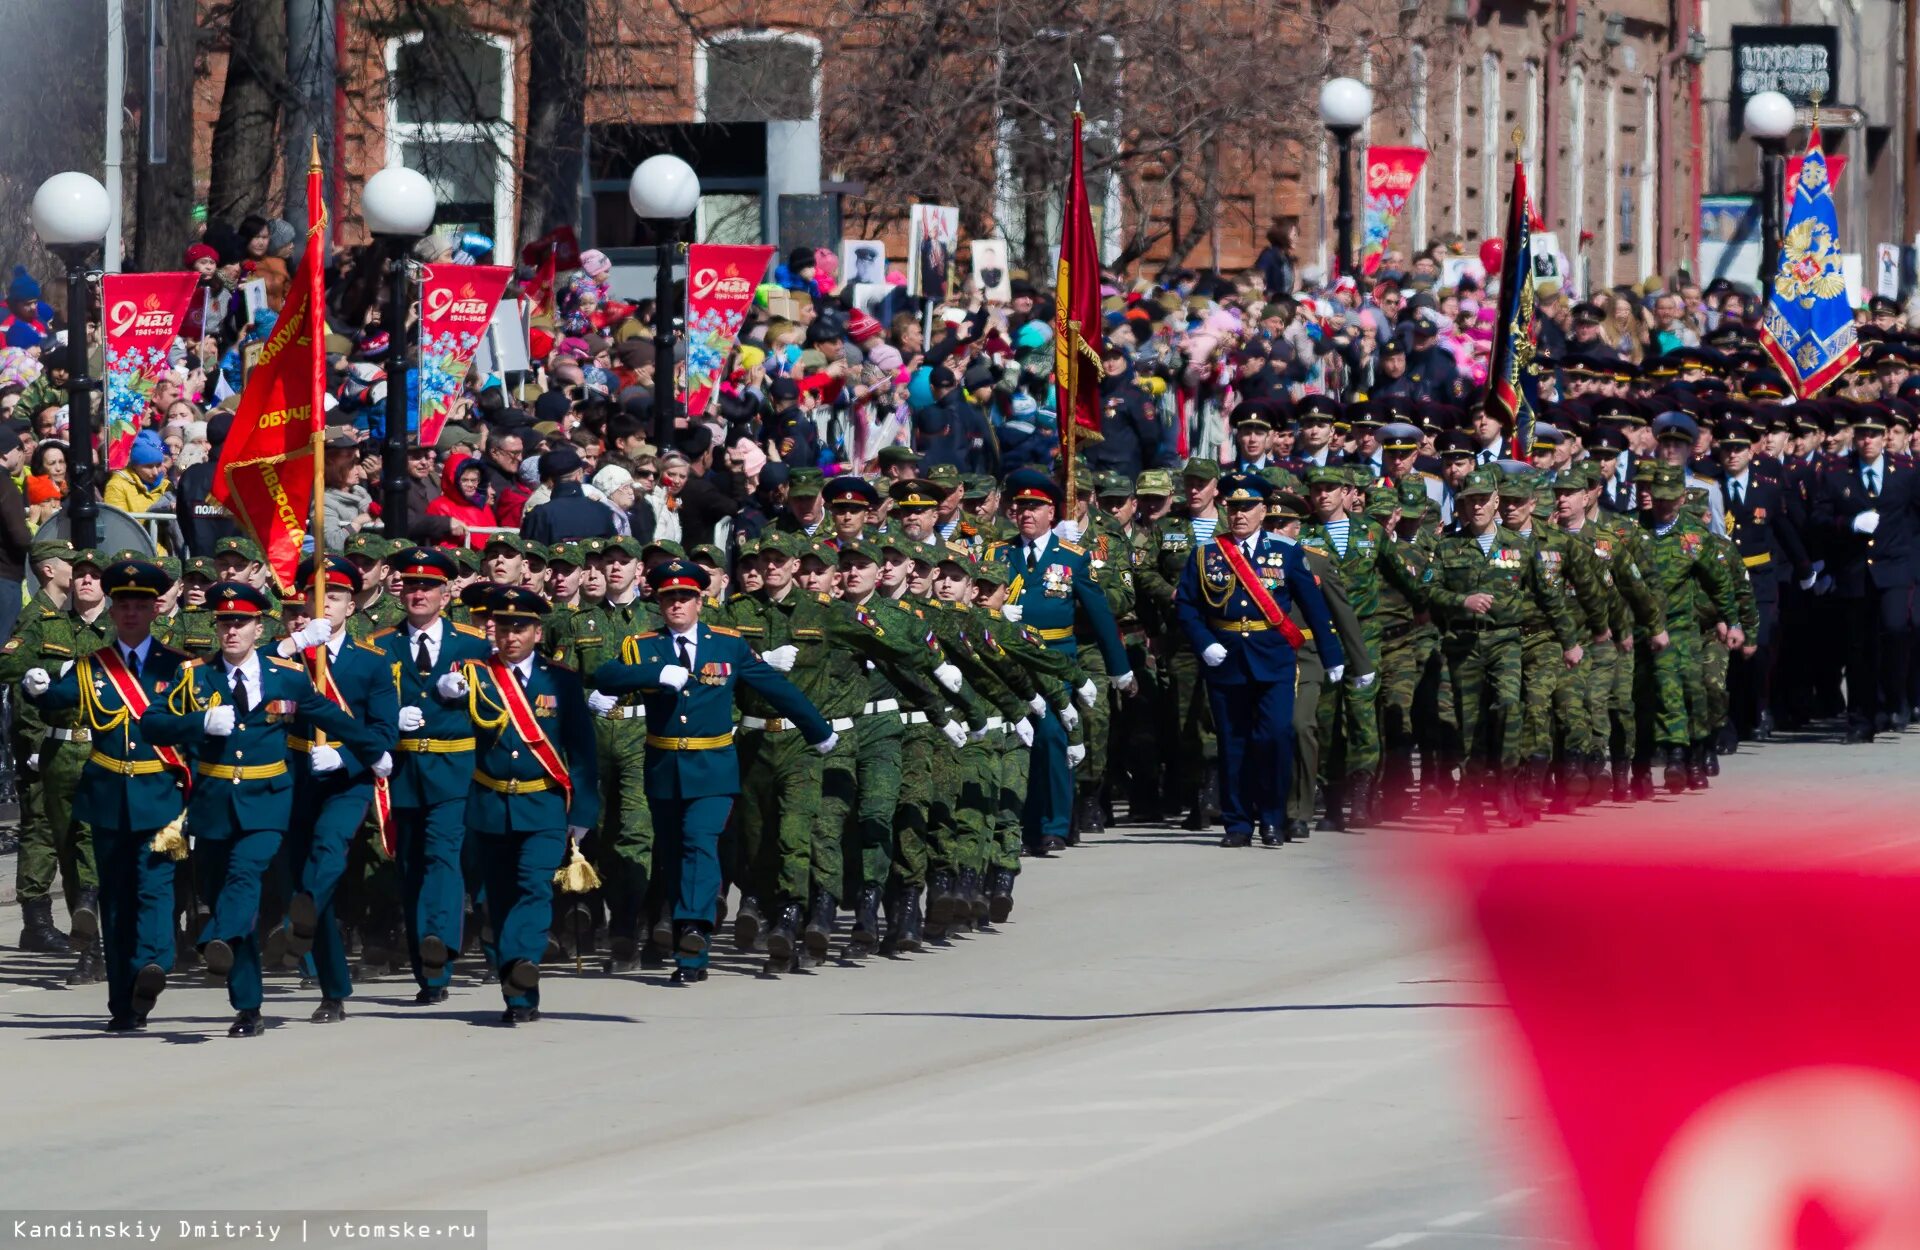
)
(163, 191)
(556, 115)
(245, 137)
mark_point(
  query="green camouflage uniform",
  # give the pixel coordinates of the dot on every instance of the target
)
(1110, 552)
(1697, 590)
(1187, 742)
(1349, 720)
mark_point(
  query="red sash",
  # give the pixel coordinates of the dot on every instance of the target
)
(1237, 561)
(520, 713)
(134, 696)
(382, 791)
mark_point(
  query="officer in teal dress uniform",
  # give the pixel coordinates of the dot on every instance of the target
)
(1053, 588)
(126, 791)
(332, 786)
(1246, 660)
(433, 766)
(235, 712)
(686, 673)
(535, 784)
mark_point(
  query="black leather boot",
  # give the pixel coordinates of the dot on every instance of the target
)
(913, 938)
(37, 933)
(942, 902)
(1697, 764)
(1675, 775)
(819, 931)
(893, 904)
(1506, 801)
(86, 915)
(866, 923)
(1642, 780)
(1622, 779)
(1334, 818)
(749, 925)
(1362, 808)
(973, 899)
(1712, 762)
(1473, 815)
(785, 937)
(999, 894)
(91, 966)
(1531, 784)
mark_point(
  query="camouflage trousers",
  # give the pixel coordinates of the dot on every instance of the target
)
(1623, 737)
(623, 844)
(781, 781)
(1350, 722)
(1309, 684)
(879, 746)
(1192, 746)
(1484, 668)
(1011, 800)
(1543, 672)
(58, 844)
(1585, 706)
(1715, 661)
(1096, 722)
(1414, 704)
(1670, 688)
(919, 747)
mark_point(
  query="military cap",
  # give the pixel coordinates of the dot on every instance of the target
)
(959, 557)
(467, 558)
(709, 553)
(245, 548)
(1251, 415)
(1280, 478)
(1484, 480)
(916, 492)
(1032, 484)
(1392, 347)
(946, 475)
(199, 566)
(893, 539)
(1589, 313)
(591, 547)
(538, 552)
(850, 489)
(508, 539)
(1400, 436)
(1383, 502)
(665, 546)
(516, 603)
(925, 553)
(1665, 481)
(371, 545)
(1412, 493)
(784, 544)
(567, 553)
(50, 549)
(428, 564)
(992, 572)
(1546, 437)
(1327, 475)
(860, 545)
(1287, 505)
(1576, 476)
(678, 574)
(896, 454)
(805, 483)
(629, 546)
(1675, 425)
(1204, 467)
(1317, 408)
(821, 549)
(169, 566)
(1735, 434)
(1365, 413)
(1704, 358)
(1455, 443)
(1246, 488)
(1113, 485)
(1153, 484)
(1518, 483)
(1880, 305)
(1870, 418)
(979, 486)
(96, 558)
(340, 572)
(135, 579)
(236, 599)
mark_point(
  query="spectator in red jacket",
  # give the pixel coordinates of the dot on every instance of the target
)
(463, 497)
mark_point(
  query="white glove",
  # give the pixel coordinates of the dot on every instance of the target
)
(314, 633)
(826, 745)
(1214, 656)
(575, 833)
(1076, 753)
(1125, 682)
(220, 720)
(1810, 580)
(66, 666)
(33, 762)
(1866, 522)
(673, 676)
(325, 759)
(36, 682)
(412, 718)
(1087, 693)
(1364, 680)
(1010, 612)
(1023, 730)
(1067, 531)
(451, 685)
(1335, 673)
(1069, 716)
(782, 658)
(600, 704)
(1039, 704)
(977, 735)
(956, 733)
(948, 676)
(383, 767)
(1824, 585)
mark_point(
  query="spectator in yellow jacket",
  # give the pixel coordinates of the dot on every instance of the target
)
(142, 486)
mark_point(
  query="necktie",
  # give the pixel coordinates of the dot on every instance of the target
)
(686, 654)
(1032, 557)
(1247, 547)
(1734, 488)
(133, 662)
(1873, 484)
(241, 705)
(422, 658)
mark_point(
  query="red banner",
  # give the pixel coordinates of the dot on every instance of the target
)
(143, 312)
(265, 476)
(456, 306)
(1392, 174)
(1835, 164)
(1076, 318)
(721, 279)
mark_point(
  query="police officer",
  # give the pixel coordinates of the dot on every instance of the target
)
(1232, 603)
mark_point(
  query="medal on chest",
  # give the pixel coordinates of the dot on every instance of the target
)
(714, 673)
(1058, 580)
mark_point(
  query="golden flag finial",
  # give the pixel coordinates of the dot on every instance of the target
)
(313, 164)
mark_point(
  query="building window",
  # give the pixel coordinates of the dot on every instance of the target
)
(1491, 145)
(1576, 216)
(1459, 134)
(1417, 206)
(1609, 191)
(450, 116)
(1648, 207)
(759, 76)
(1039, 76)
(1533, 128)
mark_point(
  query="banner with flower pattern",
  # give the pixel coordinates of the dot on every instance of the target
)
(1392, 173)
(721, 279)
(143, 310)
(456, 307)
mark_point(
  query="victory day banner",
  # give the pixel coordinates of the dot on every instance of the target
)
(143, 311)
(1391, 175)
(456, 306)
(721, 279)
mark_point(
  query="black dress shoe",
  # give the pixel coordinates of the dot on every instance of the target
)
(247, 1024)
(125, 1024)
(1049, 845)
(428, 997)
(519, 1015)
(433, 953)
(147, 984)
(1236, 839)
(692, 941)
(1858, 737)
(1298, 831)
(330, 1011)
(219, 957)
(687, 976)
(521, 976)
(1269, 836)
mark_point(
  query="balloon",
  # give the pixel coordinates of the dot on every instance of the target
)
(1492, 253)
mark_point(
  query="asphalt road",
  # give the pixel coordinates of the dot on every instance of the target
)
(1169, 1045)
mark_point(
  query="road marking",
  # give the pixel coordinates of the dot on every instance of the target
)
(1456, 1219)
(1395, 1241)
(1512, 1196)
(808, 1184)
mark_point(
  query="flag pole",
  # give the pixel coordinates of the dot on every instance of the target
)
(316, 337)
(1069, 417)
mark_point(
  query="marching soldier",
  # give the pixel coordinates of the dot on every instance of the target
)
(375, 608)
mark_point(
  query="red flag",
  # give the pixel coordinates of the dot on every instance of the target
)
(1076, 318)
(265, 475)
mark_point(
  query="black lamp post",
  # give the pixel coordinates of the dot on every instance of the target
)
(665, 191)
(70, 213)
(1345, 105)
(1768, 117)
(398, 206)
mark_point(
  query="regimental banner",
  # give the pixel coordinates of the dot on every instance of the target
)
(143, 312)
(721, 279)
(1392, 173)
(1836, 165)
(1808, 325)
(456, 306)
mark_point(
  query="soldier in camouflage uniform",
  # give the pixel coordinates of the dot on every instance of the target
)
(1110, 550)
(190, 629)
(1630, 547)
(1143, 716)
(66, 620)
(1188, 743)
(376, 607)
(922, 746)
(1716, 656)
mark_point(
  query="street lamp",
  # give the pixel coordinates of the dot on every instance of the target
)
(1345, 105)
(1768, 117)
(664, 190)
(398, 206)
(70, 214)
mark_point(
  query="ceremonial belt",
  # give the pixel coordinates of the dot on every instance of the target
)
(322, 674)
(1239, 627)
(625, 711)
(436, 746)
(125, 768)
(913, 718)
(1250, 581)
(772, 725)
(1754, 562)
(520, 713)
(70, 735)
(882, 705)
(243, 772)
(1053, 635)
(713, 743)
(535, 786)
(134, 697)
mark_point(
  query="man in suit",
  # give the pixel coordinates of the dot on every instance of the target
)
(1232, 607)
(129, 789)
(535, 786)
(433, 765)
(332, 786)
(1765, 520)
(1868, 510)
(236, 713)
(687, 673)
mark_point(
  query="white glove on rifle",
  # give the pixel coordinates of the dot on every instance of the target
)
(1214, 656)
(412, 718)
(600, 704)
(452, 685)
(219, 722)
(781, 658)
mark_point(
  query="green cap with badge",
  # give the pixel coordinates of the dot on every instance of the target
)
(992, 572)
(628, 546)
(1518, 484)
(567, 553)
(1153, 484)
(805, 484)
(1382, 502)
(50, 549)
(860, 545)
(1203, 467)
(200, 566)
(948, 475)
(1484, 480)
(1113, 485)
(978, 487)
(784, 544)
(1328, 475)
(508, 539)
(245, 548)
(709, 554)
(663, 546)
(369, 544)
